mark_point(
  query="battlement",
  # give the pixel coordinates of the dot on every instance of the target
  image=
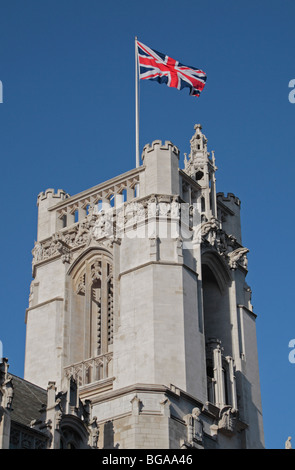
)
(50, 193)
(229, 198)
(151, 147)
(229, 213)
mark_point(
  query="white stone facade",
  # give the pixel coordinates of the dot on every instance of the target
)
(139, 295)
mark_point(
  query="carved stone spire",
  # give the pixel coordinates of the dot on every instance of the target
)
(201, 168)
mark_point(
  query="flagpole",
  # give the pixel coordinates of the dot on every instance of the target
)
(136, 107)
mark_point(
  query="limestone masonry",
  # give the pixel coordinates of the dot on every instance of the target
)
(140, 332)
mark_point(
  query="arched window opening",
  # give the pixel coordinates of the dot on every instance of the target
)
(71, 439)
(217, 327)
(217, 321)
(203, 208)
(91, 311)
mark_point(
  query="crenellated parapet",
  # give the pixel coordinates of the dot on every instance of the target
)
(50, 193)
(228, 212)
(158, 144)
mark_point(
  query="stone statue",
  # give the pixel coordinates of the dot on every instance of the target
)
(288, 444)
(197, 425)
(8, 392)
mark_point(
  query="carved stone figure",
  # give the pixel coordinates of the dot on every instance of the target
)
(198, 425)
(235, 256)
(94, 432)
(288, 444)
(227, 420)
(8, 392)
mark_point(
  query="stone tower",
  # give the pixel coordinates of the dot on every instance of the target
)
(139, 297)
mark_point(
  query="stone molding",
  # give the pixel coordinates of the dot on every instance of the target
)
(55, 299)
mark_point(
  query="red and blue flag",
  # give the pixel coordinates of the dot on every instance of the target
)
(156, 66)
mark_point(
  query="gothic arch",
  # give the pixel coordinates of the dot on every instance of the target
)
(218, 267)
(73, 434)
(86, 254)
(216, 282)
(90, 315)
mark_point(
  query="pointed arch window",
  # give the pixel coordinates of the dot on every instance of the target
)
(94, 286)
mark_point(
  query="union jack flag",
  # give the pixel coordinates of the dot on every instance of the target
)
(156, 66)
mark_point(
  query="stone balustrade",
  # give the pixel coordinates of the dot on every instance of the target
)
(91, 370)
(111, 193)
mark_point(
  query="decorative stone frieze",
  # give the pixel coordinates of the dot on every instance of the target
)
(107, 227)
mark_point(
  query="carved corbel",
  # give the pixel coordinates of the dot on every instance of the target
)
(236, 257)
(206, 232)
(64, 250)
(227, 420)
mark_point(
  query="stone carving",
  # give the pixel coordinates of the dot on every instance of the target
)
(174, 209)
(164, 209)
(222, 242)
(195, 429)
(206, 232)
(209, 231)
(53, 247)
(103, 226)
(165, 407)
(153, 208)
(64, 250)
(93, 432)
(58, 418)
(227, 420)
(198, 425)
(38, 252)
(237, 256)
(288, 444)
(7, 392)
(96, 273)
(81, 284)
(136, 404)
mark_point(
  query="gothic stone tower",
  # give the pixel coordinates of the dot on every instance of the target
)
(139, 296)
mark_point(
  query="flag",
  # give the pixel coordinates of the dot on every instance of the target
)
(156, 66)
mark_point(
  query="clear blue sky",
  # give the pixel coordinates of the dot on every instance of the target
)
(67, 121)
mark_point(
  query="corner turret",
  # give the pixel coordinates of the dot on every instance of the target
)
(200, 167)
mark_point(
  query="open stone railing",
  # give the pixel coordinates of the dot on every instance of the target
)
(91, 370)
(109, 194)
